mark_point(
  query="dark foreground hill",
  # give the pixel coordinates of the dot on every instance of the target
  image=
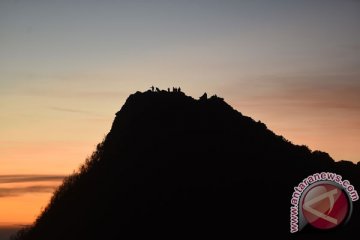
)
(175, 166)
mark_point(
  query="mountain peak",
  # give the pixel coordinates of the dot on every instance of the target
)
(168, 97)
(176, 163)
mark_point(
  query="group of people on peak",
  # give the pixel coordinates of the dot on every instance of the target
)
(156, 89)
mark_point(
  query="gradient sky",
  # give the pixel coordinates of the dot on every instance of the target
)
(66, 67)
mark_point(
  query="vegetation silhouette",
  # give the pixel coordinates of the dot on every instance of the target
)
(173, 166)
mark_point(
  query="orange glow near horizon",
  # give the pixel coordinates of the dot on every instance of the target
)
(19, 207)
(22, 209)
(43, 157)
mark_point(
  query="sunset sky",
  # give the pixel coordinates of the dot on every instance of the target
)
(66, 67)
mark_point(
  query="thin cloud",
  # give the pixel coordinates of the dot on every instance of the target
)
(90, 94)
(17, 191)
(324, 96)
(30, 178)
(313, 91)
(71, 110)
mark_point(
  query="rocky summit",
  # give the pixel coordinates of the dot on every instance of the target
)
(173, 166)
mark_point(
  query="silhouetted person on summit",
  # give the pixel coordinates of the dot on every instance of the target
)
(203, 97)
(152, 88)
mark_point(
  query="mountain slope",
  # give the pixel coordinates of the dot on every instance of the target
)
(173, 165)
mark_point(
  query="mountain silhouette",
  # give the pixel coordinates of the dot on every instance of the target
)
(175, 166)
